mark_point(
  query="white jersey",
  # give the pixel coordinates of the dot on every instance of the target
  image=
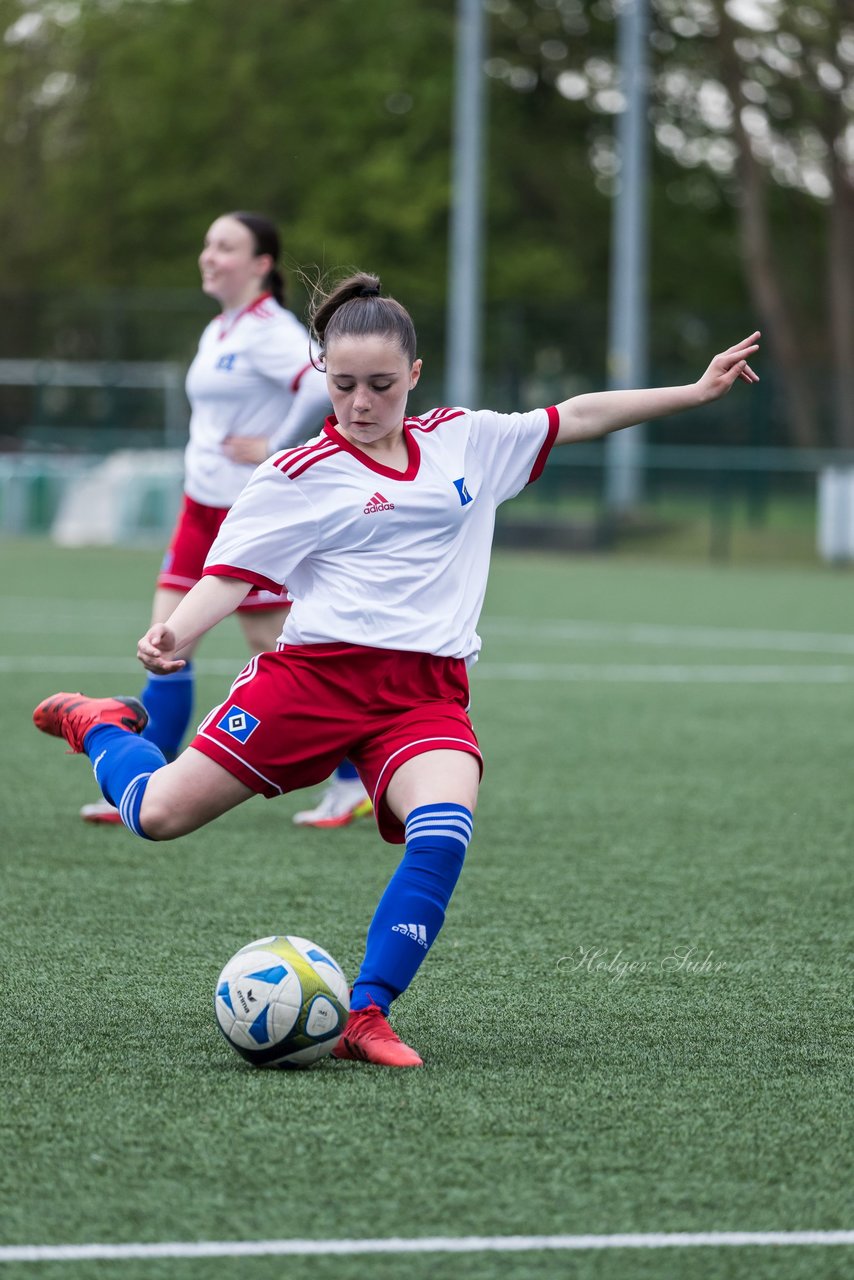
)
(383, 558)
(252, 376)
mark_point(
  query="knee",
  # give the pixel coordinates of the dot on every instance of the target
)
(160, 821)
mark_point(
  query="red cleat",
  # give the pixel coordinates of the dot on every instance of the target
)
(369, 1038)
(72, 715)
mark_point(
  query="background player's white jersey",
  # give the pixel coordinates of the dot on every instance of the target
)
(252, 376)
(378, 557)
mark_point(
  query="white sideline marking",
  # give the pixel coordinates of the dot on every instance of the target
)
(21, 613)
(551, 673)
(660, 673)
(650, 633)
(426, 1244)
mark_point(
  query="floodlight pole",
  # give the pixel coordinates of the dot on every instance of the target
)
(628, 301)
(465, 259)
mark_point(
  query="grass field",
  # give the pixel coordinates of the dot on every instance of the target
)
(638, 1018)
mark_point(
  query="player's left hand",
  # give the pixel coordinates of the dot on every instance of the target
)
(253, 449)
(727, 367)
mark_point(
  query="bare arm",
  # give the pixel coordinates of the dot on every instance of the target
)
(310, 406)
(305, 417)
(589, 416)
(209, 601)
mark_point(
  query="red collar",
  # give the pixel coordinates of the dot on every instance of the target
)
(226, 326)
(414, 453)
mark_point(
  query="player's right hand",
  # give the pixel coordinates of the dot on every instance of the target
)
(156, 649)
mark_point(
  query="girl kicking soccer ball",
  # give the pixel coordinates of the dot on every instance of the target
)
(381, 527)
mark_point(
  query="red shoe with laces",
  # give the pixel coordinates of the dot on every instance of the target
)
(369, 1038)
(72, 715)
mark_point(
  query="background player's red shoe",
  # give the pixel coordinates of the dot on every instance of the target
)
(369, 1038)
(72, 715)
(101, 812)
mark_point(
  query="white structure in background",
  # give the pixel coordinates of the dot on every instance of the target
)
(127, 497)
(836, 513)
(130, 497)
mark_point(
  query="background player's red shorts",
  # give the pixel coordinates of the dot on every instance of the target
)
(292, 716)
(192, 539)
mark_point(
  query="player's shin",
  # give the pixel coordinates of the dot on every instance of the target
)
(123, 763)
(412, 909)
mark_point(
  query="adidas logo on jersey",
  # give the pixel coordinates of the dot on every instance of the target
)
(378, 503)
(415, 932)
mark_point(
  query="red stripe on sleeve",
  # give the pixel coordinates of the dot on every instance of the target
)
(299, 377)
(245, 575)
(540, 461)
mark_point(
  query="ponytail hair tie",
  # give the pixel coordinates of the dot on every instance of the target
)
(368, 291)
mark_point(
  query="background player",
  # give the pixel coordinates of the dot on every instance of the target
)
(402, 508)
(252, 389)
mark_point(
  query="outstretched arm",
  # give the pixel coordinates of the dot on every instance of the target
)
(589, 416)
(206, 604)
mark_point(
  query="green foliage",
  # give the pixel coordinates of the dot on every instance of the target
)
(129, 124)
(133, 124)
(333, 119)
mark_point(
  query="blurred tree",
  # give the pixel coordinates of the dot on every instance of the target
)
(128, 124)
(146, 119)
(754, 101)
(781, 80)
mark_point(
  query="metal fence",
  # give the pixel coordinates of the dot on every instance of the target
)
(698, 502)
(92, 404)
(717, 502)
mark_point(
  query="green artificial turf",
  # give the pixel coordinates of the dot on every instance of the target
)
(638, 1017)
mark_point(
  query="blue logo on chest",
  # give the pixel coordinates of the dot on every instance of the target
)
(226, 363)
(237, 723)
(465, 496)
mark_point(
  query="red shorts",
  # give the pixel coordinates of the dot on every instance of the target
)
(192, 539)
(292, 716)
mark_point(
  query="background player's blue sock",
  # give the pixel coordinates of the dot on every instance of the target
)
(412, 909)
(346, 772)
(123, 762)
(169, 703)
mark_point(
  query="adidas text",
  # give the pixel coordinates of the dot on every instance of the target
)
(377, 503)
(415, 933)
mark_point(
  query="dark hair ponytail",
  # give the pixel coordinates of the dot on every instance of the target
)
(275, 282)
(356, 308)
(266, 239)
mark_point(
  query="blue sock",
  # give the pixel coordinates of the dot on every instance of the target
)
(346, 772)
(169, 703)
(123, 762)
(412, 910)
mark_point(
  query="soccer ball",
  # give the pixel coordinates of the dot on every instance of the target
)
(282, 1002)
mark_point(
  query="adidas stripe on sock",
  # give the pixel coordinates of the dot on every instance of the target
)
(123, 762)
(412, 909)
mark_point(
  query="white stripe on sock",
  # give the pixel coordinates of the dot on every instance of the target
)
(443, 824)
(126, 802)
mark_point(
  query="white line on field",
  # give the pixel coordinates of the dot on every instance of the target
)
(653, 634)
(661, 673)
(20, 613)
(549, 673)
(72, 609)
(426, 1244)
